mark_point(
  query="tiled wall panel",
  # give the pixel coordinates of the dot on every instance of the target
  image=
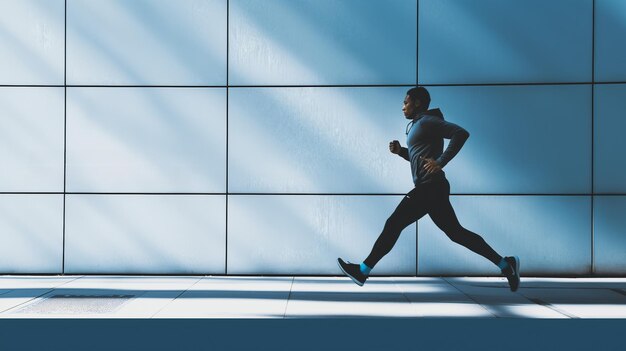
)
(495, 41)
(609, 234)
(145, 234)
(146, 42)
(304, 234)
(31, 232)
(146, 140)
(550, 235)
(609, 142)
(31, 139)
(523, 139)
(610, 51)
(32, 42)
(286, 42)
(316, 140)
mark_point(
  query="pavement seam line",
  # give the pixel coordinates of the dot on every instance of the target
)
(619, 291)
(547, 305)
(289, 296)
(40, 295)
(471, 298)
(540, 302)
(406, 297)
(177, 296)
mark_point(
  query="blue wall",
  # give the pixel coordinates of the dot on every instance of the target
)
(250, 137)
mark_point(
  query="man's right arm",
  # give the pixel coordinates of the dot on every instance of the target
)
(404, 152)
(396, 148)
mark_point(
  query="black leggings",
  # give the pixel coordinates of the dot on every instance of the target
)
(434, 199)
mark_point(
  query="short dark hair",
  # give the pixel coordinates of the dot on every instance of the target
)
(421, 94)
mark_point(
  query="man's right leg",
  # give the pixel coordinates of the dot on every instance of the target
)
(411, 208)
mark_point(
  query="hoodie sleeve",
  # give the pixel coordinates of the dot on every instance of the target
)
(455, 133)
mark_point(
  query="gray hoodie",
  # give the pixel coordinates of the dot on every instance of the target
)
(425, 138)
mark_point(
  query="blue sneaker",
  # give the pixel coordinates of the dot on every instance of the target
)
(353, 271)
(512, 272)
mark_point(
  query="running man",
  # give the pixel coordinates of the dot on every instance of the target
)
(431, 194)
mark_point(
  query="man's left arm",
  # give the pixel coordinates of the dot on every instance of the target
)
(457, 136)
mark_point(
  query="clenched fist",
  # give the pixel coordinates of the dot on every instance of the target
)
(394, 147)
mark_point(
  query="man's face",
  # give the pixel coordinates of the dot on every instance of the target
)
(409, 107)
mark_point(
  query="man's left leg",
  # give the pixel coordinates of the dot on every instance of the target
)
(442, 214)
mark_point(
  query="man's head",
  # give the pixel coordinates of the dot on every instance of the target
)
(417, 100)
